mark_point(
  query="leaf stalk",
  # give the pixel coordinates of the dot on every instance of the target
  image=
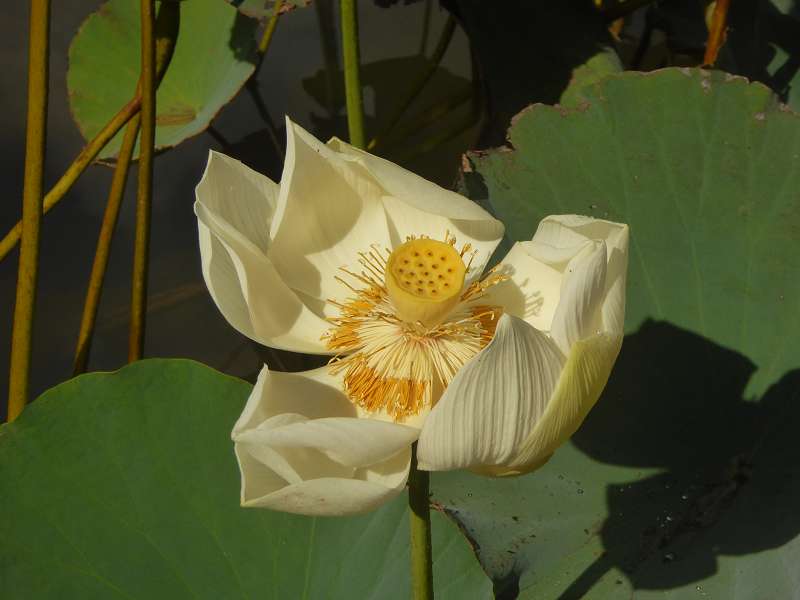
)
(144, 190)
(33, 188)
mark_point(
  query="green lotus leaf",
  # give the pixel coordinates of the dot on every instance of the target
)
(214, 56)
(125, 485)
(685, 478)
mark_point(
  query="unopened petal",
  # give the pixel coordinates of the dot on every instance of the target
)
(301, 448)
(566, 230)
(493, 402)
(578, 313)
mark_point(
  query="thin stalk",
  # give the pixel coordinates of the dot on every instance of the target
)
(352, 75)
(100, 263)
(420, 521)
(430, 115)
(716, 32)
(166, 32)
(252, 83)
(145, 181)
(167, 25)
(35, 143)
(78, 166)
(266, 37)
(422, 80)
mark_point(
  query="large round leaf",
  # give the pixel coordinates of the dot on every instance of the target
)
(125, 485)
(686, 477)
(214, 56)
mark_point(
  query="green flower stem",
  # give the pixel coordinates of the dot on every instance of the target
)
(352, 75)
(422, 79)
(35, 142)
(103, 250)
(420, 520)
(145, 182)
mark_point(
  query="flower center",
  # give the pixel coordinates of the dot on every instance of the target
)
(409, 325)
(424, 279)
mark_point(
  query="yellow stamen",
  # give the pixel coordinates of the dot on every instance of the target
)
(398, 357)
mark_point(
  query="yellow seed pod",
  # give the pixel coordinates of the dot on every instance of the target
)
(424, 279)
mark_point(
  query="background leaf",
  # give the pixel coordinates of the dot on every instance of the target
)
(125, 485)
(683, 479)
(214, 56)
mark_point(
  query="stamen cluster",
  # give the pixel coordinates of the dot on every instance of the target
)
(399, 366)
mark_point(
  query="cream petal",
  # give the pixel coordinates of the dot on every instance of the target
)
(249, 292)
(567, 229)
(234, 206)
(349, 441)
(239, 196)
(406, 219)
(416, 206)
(533, 289)
(494, 401)
(333, 497)
(327, 212)
(581, 382)
(578, 313)
(301, 448)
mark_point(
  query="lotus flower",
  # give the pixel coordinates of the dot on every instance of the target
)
(354, 257)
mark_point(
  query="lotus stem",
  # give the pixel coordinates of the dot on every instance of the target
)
(352, 75)
(145, 182)
(103, 250)
(420, 521)
(422, 80)
(35, 143)
(716, 32)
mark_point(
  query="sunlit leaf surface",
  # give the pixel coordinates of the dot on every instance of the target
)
(214, 56)
(125, 485)
(685, 479)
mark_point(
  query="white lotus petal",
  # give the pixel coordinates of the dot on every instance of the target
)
(493, 402)
(565, 229)
(350, 441)
(533, 289)
(327, 213)
(578, 313)
(234, 206)
(581, 382)
(314, 394)
(240, 196)
(332, 497)
(416, 206)
(301, 448)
